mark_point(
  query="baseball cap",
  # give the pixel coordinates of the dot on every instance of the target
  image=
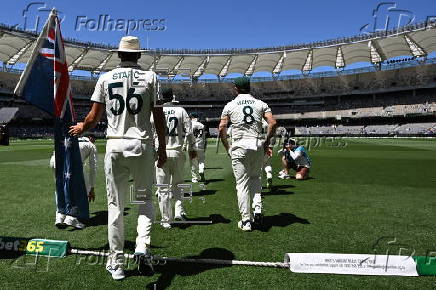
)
(194, 115)
(243, 84)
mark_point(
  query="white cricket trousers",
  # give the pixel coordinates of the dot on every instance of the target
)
(197, 164)
(118, 169)
(247, 169)
(170, 175)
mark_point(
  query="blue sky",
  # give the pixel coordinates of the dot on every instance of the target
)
(217, 24)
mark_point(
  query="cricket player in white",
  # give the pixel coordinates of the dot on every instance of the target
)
(178, 136)
(248, 148)
(197, 163)
(88, 153)
(127, 93)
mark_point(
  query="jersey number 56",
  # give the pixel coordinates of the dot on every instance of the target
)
(121, 103)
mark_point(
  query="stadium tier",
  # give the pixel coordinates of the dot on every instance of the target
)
(385, 98)
(382, 99)
(414, 40)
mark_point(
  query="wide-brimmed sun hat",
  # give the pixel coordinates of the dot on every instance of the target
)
(129, 44)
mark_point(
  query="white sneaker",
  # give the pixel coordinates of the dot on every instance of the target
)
(74, 222)
(116, 270)
(283, 175)
(142, 250)
(166, 225)
(245, 225)
(60, 218)
(194, 180)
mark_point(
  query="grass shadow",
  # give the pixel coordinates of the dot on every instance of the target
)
(281, 220)
(212, 180)
(214, 218)
(10, 254)
(204, 192)
(277, 192)
(207, 181)
(283, 186)
(169, 271)
(99, 218)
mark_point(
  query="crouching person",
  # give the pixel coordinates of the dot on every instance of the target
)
(295, 157)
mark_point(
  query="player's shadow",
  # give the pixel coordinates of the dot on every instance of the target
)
(214, 218)
(213, 180)
(10, 254)
(204, 192)
(279, 190)
(213, 168)
(169, 271)
(283, 186)
(281, 220)
(99, 218)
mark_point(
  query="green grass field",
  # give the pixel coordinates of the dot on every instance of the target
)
(360, 192)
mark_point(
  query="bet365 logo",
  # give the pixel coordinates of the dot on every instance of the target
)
(13, 244)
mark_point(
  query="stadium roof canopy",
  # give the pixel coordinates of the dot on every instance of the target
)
(417, 40)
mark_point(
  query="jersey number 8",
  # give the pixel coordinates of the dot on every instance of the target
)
(248, 114)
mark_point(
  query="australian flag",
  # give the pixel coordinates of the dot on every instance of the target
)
(45, 83)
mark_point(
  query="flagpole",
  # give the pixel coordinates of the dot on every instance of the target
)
(23, 78)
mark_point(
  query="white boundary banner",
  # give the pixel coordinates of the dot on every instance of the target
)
(351, 264)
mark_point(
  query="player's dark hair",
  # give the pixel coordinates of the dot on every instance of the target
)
(129, 56)
(290, 141)
(167, 94)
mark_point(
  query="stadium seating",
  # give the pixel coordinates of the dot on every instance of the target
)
(397, 93)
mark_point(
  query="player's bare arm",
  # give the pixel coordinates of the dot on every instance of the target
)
(159, 123)
(222, 129)
(272, 125)
(91, 120)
